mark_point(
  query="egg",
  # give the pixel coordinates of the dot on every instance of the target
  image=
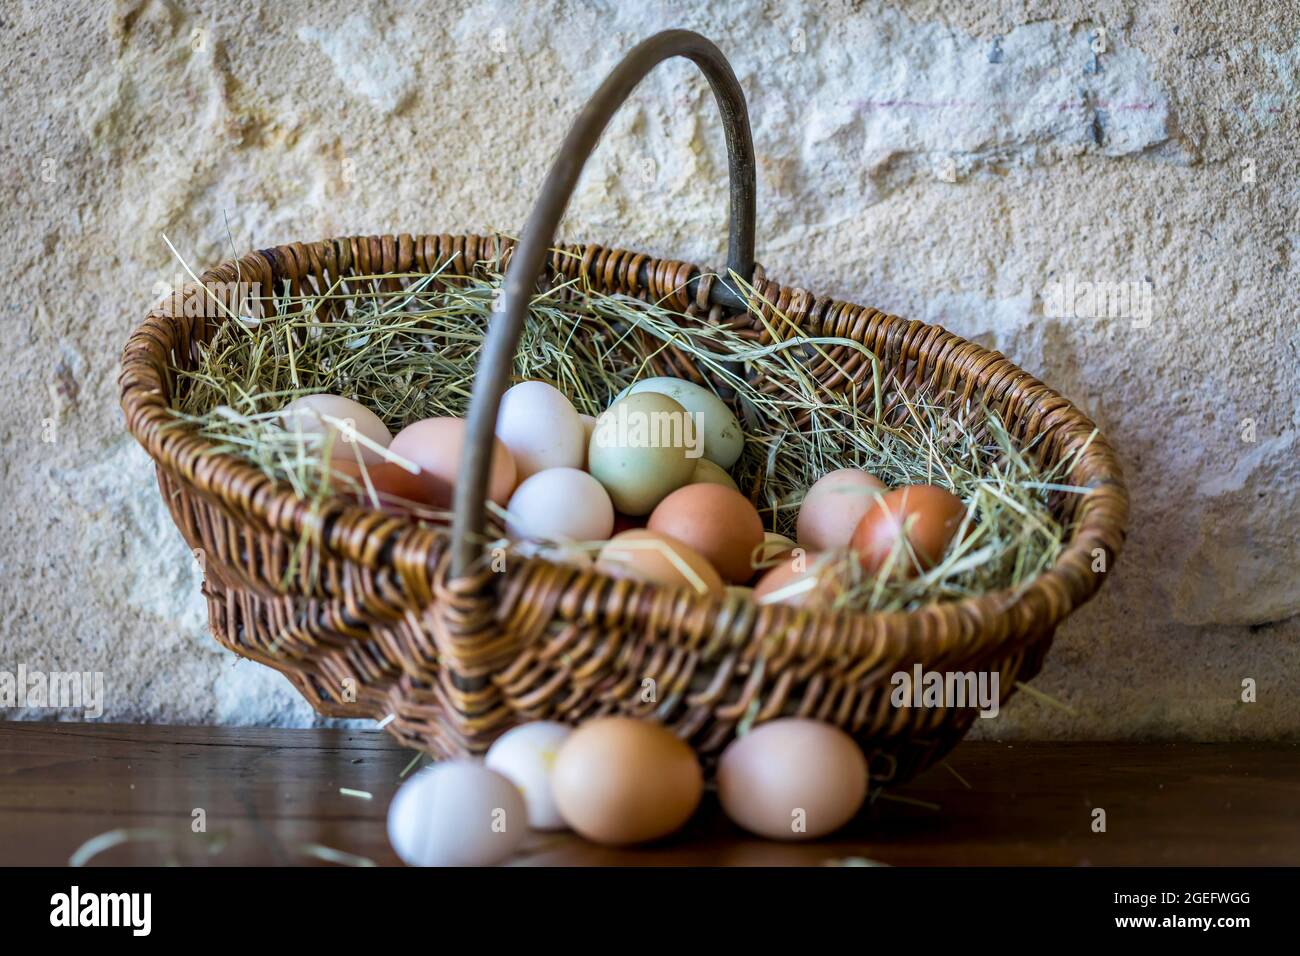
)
(560, 504)
(396, 487)
(645, 555)
(540, 427)
(802, 579)
(619, 781)
(434, 446)
(457, 813)
(639, 451)
(931, 516)
(708, 472)
(792, 779)
(308, 416)
(723, 438)
(588, 426)
(721, 524)
(525, 755)
(833, 507)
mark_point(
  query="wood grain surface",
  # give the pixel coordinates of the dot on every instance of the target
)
(276, 797)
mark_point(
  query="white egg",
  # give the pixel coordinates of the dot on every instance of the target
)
(723, 438)
(525, 755)
(541, 428)
(560, 504)
(457, 813)
(311, 414)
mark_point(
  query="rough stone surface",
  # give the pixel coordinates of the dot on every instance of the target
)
(955, 163)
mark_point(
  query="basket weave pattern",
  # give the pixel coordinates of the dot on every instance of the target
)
(371, 623)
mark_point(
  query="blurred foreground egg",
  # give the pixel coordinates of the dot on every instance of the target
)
(457, 813)
(649, 556)
(799, 579)
(619, 781)
(526, 756)
(792, 779)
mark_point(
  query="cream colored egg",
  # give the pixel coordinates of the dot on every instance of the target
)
(457, 813)
(540, 427)
(588, 426)
(639, 451)
(709, 473)
(560, 504)
(724, 439)
(792, 779)
(344, 418)
(834, 505)
(525, 755)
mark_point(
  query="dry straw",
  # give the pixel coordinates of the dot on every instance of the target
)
(406, 344)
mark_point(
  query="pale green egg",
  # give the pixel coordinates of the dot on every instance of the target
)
(643, 447)
(723, 438)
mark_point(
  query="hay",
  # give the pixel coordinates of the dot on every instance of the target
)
(405, 345)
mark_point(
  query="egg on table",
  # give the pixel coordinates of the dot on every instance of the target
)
(723, 438)
(620, 781)
(639, 451)
(719, 523)
(926, 516)
(644, 555)
(792, 779)
(526, 755)
(435, 446)
(560, 504)
(833, 507)
(324, 414)
(457, 813)
(540, 427)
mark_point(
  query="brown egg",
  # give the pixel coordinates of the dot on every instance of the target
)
(396, 487)
(806, 580)
(931, 516)
(434, 445)
(719, 523)
(618, 781)
(833, 507)
(650, 556)
(792, 779)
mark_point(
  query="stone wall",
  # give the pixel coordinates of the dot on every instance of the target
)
(957, 163)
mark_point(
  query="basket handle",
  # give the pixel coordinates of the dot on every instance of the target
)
(497, 360)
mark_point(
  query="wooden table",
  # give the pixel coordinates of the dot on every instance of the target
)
(290, 797)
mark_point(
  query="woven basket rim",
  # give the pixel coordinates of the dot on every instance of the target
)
(981, 624)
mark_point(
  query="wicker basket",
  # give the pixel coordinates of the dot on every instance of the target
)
(404, 621)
